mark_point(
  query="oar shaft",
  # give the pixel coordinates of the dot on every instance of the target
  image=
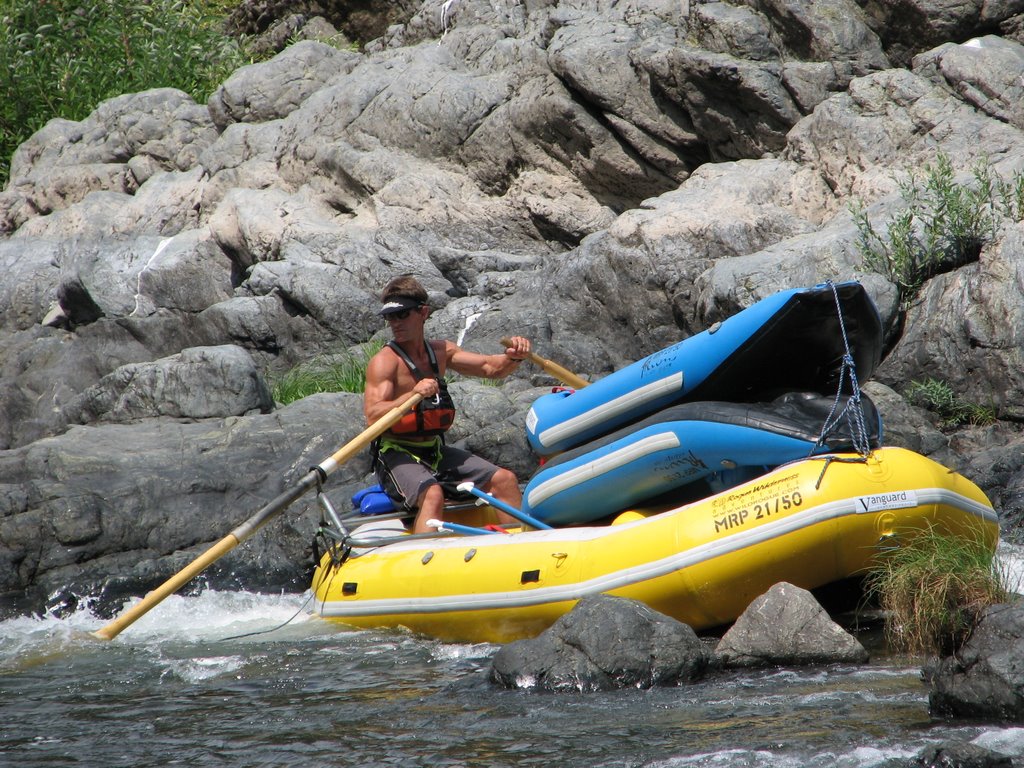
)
(562, 374)
(257, 521)
(169, 587)
(371, 433)
(518, 514)
(468, 530)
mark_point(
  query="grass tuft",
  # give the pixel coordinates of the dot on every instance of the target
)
(337, 373)
(933, 587)
(937, 396)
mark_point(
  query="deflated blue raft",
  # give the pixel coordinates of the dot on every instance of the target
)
(720, 443)
(789, 342)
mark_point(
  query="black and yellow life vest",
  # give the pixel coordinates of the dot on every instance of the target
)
(432, 416)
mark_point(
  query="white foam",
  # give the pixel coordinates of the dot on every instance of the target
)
(1006, 741)
(211, 615)
(199, 669)
(1011, 563)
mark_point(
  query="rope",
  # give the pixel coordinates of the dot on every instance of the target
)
(272, 629)
(853, 412)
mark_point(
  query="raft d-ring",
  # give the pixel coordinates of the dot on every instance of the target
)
(428, 557)
(560, 557)
(885, 525)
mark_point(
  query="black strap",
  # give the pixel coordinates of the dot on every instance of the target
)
(416, 372)
(442, 401)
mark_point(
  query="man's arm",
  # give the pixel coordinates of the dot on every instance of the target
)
(382, 390)
(487, 366)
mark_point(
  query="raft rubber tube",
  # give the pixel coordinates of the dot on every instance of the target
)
(720, 443)
(809, 523)
(790, 341)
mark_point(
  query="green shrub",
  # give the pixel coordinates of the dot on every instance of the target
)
(945, 224)
(933, 587)
(339, 373)
(61, 58)
(937, 396)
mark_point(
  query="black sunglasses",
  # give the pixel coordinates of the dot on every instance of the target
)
(399, 315)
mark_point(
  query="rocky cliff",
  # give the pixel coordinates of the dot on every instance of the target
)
(604, 177)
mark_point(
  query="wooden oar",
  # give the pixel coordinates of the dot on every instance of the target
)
(257, 521)
(560, 373)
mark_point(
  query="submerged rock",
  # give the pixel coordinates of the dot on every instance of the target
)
(953, 754)
(604, 643)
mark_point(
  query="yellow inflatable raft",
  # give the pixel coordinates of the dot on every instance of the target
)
(810, 523)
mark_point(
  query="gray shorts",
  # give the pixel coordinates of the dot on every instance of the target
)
(404, 477)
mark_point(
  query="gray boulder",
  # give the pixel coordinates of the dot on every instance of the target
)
(604, 643)
(907, 28)
(786, 626)
(197, 383)
(262, 92)
(135, 278)
(912, 427)
(991, 456)
(28, 292)
(164, 126)
(960, 755)
(965, 330)
(833, 31)
(550, 169)
(981, 71)
(166, 203)
(984, 679)
(109, 510)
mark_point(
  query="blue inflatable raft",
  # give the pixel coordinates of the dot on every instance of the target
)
(719, 443)
(792, 341)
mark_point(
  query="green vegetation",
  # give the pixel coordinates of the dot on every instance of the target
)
(937, 396)
(933, 587)
(61, 58)
(944, 225)
(339, 373)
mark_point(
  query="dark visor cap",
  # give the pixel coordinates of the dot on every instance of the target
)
(398, 304)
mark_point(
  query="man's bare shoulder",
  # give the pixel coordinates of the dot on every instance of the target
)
(384, 361)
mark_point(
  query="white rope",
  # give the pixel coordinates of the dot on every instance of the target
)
(853, 411)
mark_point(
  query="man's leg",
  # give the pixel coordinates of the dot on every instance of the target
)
(429, 506)
(458, 465)
(504, 486)
(412, 486)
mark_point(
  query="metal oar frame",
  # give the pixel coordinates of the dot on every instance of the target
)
(338, 540)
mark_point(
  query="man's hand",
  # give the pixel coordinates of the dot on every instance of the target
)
(427, 387)
(518, 349)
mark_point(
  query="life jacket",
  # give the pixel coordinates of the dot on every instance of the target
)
(432, 416)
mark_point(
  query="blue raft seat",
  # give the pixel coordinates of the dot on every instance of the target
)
(372, 501)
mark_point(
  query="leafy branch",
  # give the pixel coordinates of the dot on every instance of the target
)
(944, 224)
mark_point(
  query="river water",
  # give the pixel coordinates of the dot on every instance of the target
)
(240, 679)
